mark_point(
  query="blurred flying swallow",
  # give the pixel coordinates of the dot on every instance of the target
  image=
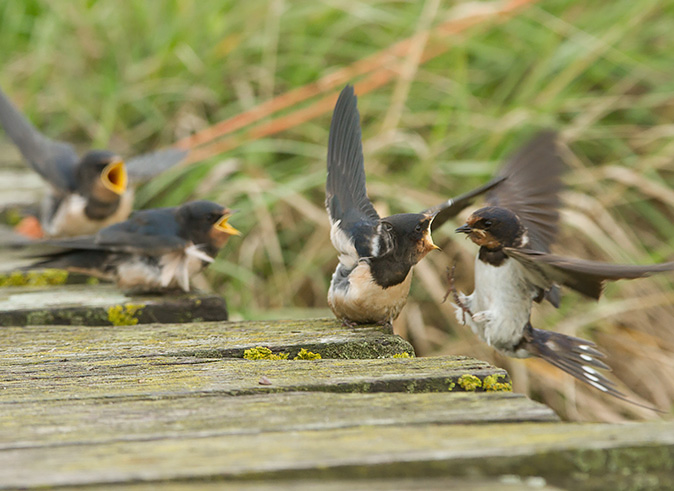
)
(514, 267)
(87, 193)
(154, 250)
(372, 279)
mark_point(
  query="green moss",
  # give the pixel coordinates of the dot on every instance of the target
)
(491, 384)
(46, 277)
(262, 353)
(91, 280)
(306, 355)
(469, 383)
(124, 315)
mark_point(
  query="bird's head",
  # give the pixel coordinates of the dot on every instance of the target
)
(408, 235)
(493, 227)
(103, 175)
(205, 222)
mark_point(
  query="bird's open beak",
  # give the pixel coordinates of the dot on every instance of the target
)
(464, 229)
(114, 177)
(225, 227)
(429, 238)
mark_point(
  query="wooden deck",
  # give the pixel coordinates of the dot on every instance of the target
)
(174, 406)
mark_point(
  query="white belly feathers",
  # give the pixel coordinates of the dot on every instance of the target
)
(500, 303)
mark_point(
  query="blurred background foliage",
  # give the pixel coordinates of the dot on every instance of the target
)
(136, 75)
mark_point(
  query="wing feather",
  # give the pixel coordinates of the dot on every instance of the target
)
(55, 161)
(351, 211)
(532, 187)
(586, 277)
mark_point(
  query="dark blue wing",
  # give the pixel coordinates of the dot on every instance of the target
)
(55, 161)
(346, 200)
(148, 165)
(532, 188)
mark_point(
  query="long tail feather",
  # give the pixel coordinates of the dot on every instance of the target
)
(576, 356)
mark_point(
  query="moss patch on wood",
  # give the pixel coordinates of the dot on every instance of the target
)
(124, 315)
(45, 277)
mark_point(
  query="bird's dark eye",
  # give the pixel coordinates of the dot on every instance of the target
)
(418, 228)
(388, 227)
(487, 223)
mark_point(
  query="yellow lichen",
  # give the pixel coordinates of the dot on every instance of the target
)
(401, 355)
(469, 383)
(45, 277)
(262, 353)
(124, 315)
(91, 280)
(307, 355)
(13, 217)
(491, 384)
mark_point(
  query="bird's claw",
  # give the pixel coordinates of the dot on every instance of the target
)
(455, 295)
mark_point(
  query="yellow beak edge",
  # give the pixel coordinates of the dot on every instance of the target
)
(114, 177)
(225, 227)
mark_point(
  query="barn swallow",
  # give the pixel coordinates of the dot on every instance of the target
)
(87, 193)
(514, 268)
(372, 279)
(154, 250)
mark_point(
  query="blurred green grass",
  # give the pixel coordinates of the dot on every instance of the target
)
(136, 75)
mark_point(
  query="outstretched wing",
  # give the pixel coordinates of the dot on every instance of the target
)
(148, 165)
(55, 161)
(453, 206)
(354, 219)
(532, 187)
(586, 277)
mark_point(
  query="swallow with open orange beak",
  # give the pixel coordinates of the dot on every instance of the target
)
(154, 250)
(88, 193)
(377, 255)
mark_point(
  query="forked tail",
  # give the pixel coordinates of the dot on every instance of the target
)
(576, 356)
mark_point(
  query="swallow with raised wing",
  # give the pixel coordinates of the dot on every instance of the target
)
(154, 250)
(87, 193)
(514, 268)
(377, 255)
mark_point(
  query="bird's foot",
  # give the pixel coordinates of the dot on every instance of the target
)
(388, 325)
(458, 300)
(348, 323)
(483, 316)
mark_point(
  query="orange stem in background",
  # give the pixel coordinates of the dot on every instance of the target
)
(381, 68)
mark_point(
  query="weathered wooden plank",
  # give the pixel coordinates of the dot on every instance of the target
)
(501, 483)
(38, 344)
(20, 187)
(102, 305)
(155, 377)
(579, 456)
(49, 423)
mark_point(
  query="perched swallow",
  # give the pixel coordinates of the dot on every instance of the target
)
(372, 279)
(87, 193)
(154, 250)
(514, 268)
